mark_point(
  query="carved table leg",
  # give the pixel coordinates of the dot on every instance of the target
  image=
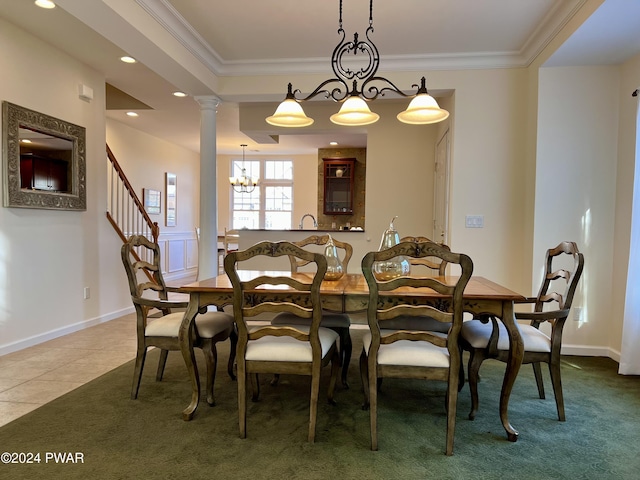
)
(516, 353)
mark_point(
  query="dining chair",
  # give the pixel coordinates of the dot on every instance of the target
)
(432, 266)
(340, 322)
(288, 349)
(420, 354)
(487, 337)
(231, 239)
(149, 293)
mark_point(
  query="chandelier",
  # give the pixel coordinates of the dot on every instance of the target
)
(243, 183)
(423, 109)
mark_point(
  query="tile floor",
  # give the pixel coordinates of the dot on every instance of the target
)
(36, 375)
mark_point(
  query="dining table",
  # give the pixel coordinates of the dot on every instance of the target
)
(350, 294)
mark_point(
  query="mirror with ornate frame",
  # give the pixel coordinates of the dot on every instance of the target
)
(44, 163)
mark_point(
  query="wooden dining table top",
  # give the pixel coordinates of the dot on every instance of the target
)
(353, 284)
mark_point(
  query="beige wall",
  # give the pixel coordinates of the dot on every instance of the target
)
(628, 153)
(145, 160)
(576, 186)
(49, 256)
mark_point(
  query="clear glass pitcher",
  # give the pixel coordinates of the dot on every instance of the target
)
(396, 266)
(334, 265)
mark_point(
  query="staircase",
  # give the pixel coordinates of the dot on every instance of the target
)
(125, 211)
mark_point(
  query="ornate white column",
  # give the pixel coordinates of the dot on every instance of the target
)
(208, 248)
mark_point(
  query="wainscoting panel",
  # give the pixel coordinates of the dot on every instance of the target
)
(176, 256)
(180, 254)
(192, 253)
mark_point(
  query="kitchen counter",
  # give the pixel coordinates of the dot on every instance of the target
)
(361, 244)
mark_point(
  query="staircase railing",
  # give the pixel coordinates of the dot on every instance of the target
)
(125, 211)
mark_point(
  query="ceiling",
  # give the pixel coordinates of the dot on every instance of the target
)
(262, 38)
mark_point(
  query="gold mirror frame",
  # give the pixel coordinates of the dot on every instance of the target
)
(15, 118)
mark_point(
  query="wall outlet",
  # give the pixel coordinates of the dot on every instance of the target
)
(87, 293)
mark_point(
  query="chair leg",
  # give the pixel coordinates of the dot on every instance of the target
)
(161, 363)
(346, 347)
(452, 403)
(537, 372)
(137, 371)
(313, 404)
(373, 404)
(364, 375)
(475, 360)
(233, 339)
(211, 360)
(242, 400)
(335, 367)
(255, 387)
(554, 371)
(461, 373)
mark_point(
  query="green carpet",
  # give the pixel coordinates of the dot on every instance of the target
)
(120, 438)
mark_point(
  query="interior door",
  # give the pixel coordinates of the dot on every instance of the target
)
(440, 232)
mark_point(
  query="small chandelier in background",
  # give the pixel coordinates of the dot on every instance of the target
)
(243, 183)
(423, 109)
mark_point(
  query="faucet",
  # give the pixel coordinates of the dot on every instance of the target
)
(315, 224)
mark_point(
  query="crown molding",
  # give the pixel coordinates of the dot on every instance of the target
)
(176, 25)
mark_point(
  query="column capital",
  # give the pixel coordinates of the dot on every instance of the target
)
(207, 101)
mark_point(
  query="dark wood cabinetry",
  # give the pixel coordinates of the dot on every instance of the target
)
(42, 173)
(338, 186)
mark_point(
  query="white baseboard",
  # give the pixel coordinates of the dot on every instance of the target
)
(590, 351)
(44, 337)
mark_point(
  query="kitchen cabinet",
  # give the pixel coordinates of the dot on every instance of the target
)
(338, 186)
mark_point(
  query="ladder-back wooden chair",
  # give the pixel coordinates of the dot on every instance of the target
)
(424, 266)
(289, 349)
(418, 354)
(340, 322)
(141, 259)
(487, 337)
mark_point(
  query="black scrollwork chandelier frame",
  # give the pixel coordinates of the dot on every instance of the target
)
(369, 88)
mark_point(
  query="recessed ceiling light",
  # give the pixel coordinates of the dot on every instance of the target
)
(179, 94)
(45, 4)
(333, 143)
(127, 59)
(25, 140)
(132, 114)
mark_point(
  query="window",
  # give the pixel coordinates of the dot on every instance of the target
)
(270, 205)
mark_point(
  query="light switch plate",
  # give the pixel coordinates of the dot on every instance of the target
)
(474, 221)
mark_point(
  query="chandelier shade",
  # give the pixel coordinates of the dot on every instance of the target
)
(289, 114)
(354, 112)
(423, 109)
(243, 183)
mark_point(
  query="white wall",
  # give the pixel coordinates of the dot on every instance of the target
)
(627, 128)
(145, 161)
(49, 256)
(576, 187)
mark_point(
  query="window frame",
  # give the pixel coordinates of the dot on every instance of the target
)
(262, 186)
